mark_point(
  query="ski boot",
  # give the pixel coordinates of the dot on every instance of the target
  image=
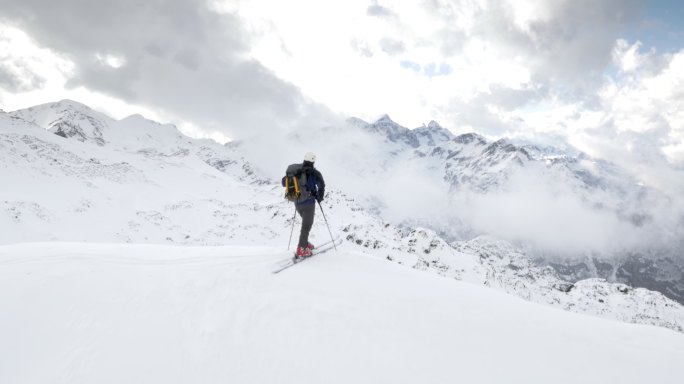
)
(303, 252)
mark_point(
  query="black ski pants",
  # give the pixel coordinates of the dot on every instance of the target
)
(306, 211)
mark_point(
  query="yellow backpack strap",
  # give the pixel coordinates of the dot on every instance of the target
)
(296, 184)
(287, 184)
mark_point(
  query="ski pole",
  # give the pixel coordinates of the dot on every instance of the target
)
(294, 217)
(326, 224)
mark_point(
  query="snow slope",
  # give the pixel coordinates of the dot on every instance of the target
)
(119, 313)
(145, 182)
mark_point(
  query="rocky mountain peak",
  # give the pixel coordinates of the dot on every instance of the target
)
(384, 119)
(68, 119)
(434, 126)
(356, 122)
(468, 138)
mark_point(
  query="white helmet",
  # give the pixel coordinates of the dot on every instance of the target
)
(310, 157)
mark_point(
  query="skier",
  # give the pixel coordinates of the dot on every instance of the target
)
(312, 190)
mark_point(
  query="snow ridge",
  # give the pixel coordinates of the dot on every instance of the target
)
(496, 263)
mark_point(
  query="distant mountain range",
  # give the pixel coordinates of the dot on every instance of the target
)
(645, 250)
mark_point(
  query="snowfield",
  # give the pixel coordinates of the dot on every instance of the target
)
(120, 313)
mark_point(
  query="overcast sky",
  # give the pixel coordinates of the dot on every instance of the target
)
(605, 75)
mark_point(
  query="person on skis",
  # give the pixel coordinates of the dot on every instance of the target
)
(311, 188)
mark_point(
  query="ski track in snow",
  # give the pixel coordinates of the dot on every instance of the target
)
(113, 313)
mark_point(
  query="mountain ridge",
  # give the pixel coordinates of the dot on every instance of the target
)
(471, 165)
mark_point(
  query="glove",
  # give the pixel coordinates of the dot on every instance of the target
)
(319, 197)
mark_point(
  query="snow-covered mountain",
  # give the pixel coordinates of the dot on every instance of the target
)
(70, 120)
(137, 181)
(127, 182)
(583, 216)
(471, 161)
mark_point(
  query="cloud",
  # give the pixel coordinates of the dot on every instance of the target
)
(361, 47)
(548, 221)
(14, 77)
(22, 71)
(184, 59)
(640, 124)
(225, 66)
(378, 10)
(535, 206)
(516, 53)
(391, 46)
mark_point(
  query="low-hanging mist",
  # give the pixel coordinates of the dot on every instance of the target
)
(534, 205)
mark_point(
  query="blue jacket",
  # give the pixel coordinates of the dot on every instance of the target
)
(314, 184)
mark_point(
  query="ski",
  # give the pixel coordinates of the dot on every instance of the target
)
(329, 242)
(325, 247)
(296, 260)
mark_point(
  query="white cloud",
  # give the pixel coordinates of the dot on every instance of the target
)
(526, 13)
(650, 103)
(113, 61)
(368, 57)
(549, 218)
(675, 151)
(24, 59)
(184, 60)
(24, 66)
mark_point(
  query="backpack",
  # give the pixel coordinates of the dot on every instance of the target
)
(296, 189)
